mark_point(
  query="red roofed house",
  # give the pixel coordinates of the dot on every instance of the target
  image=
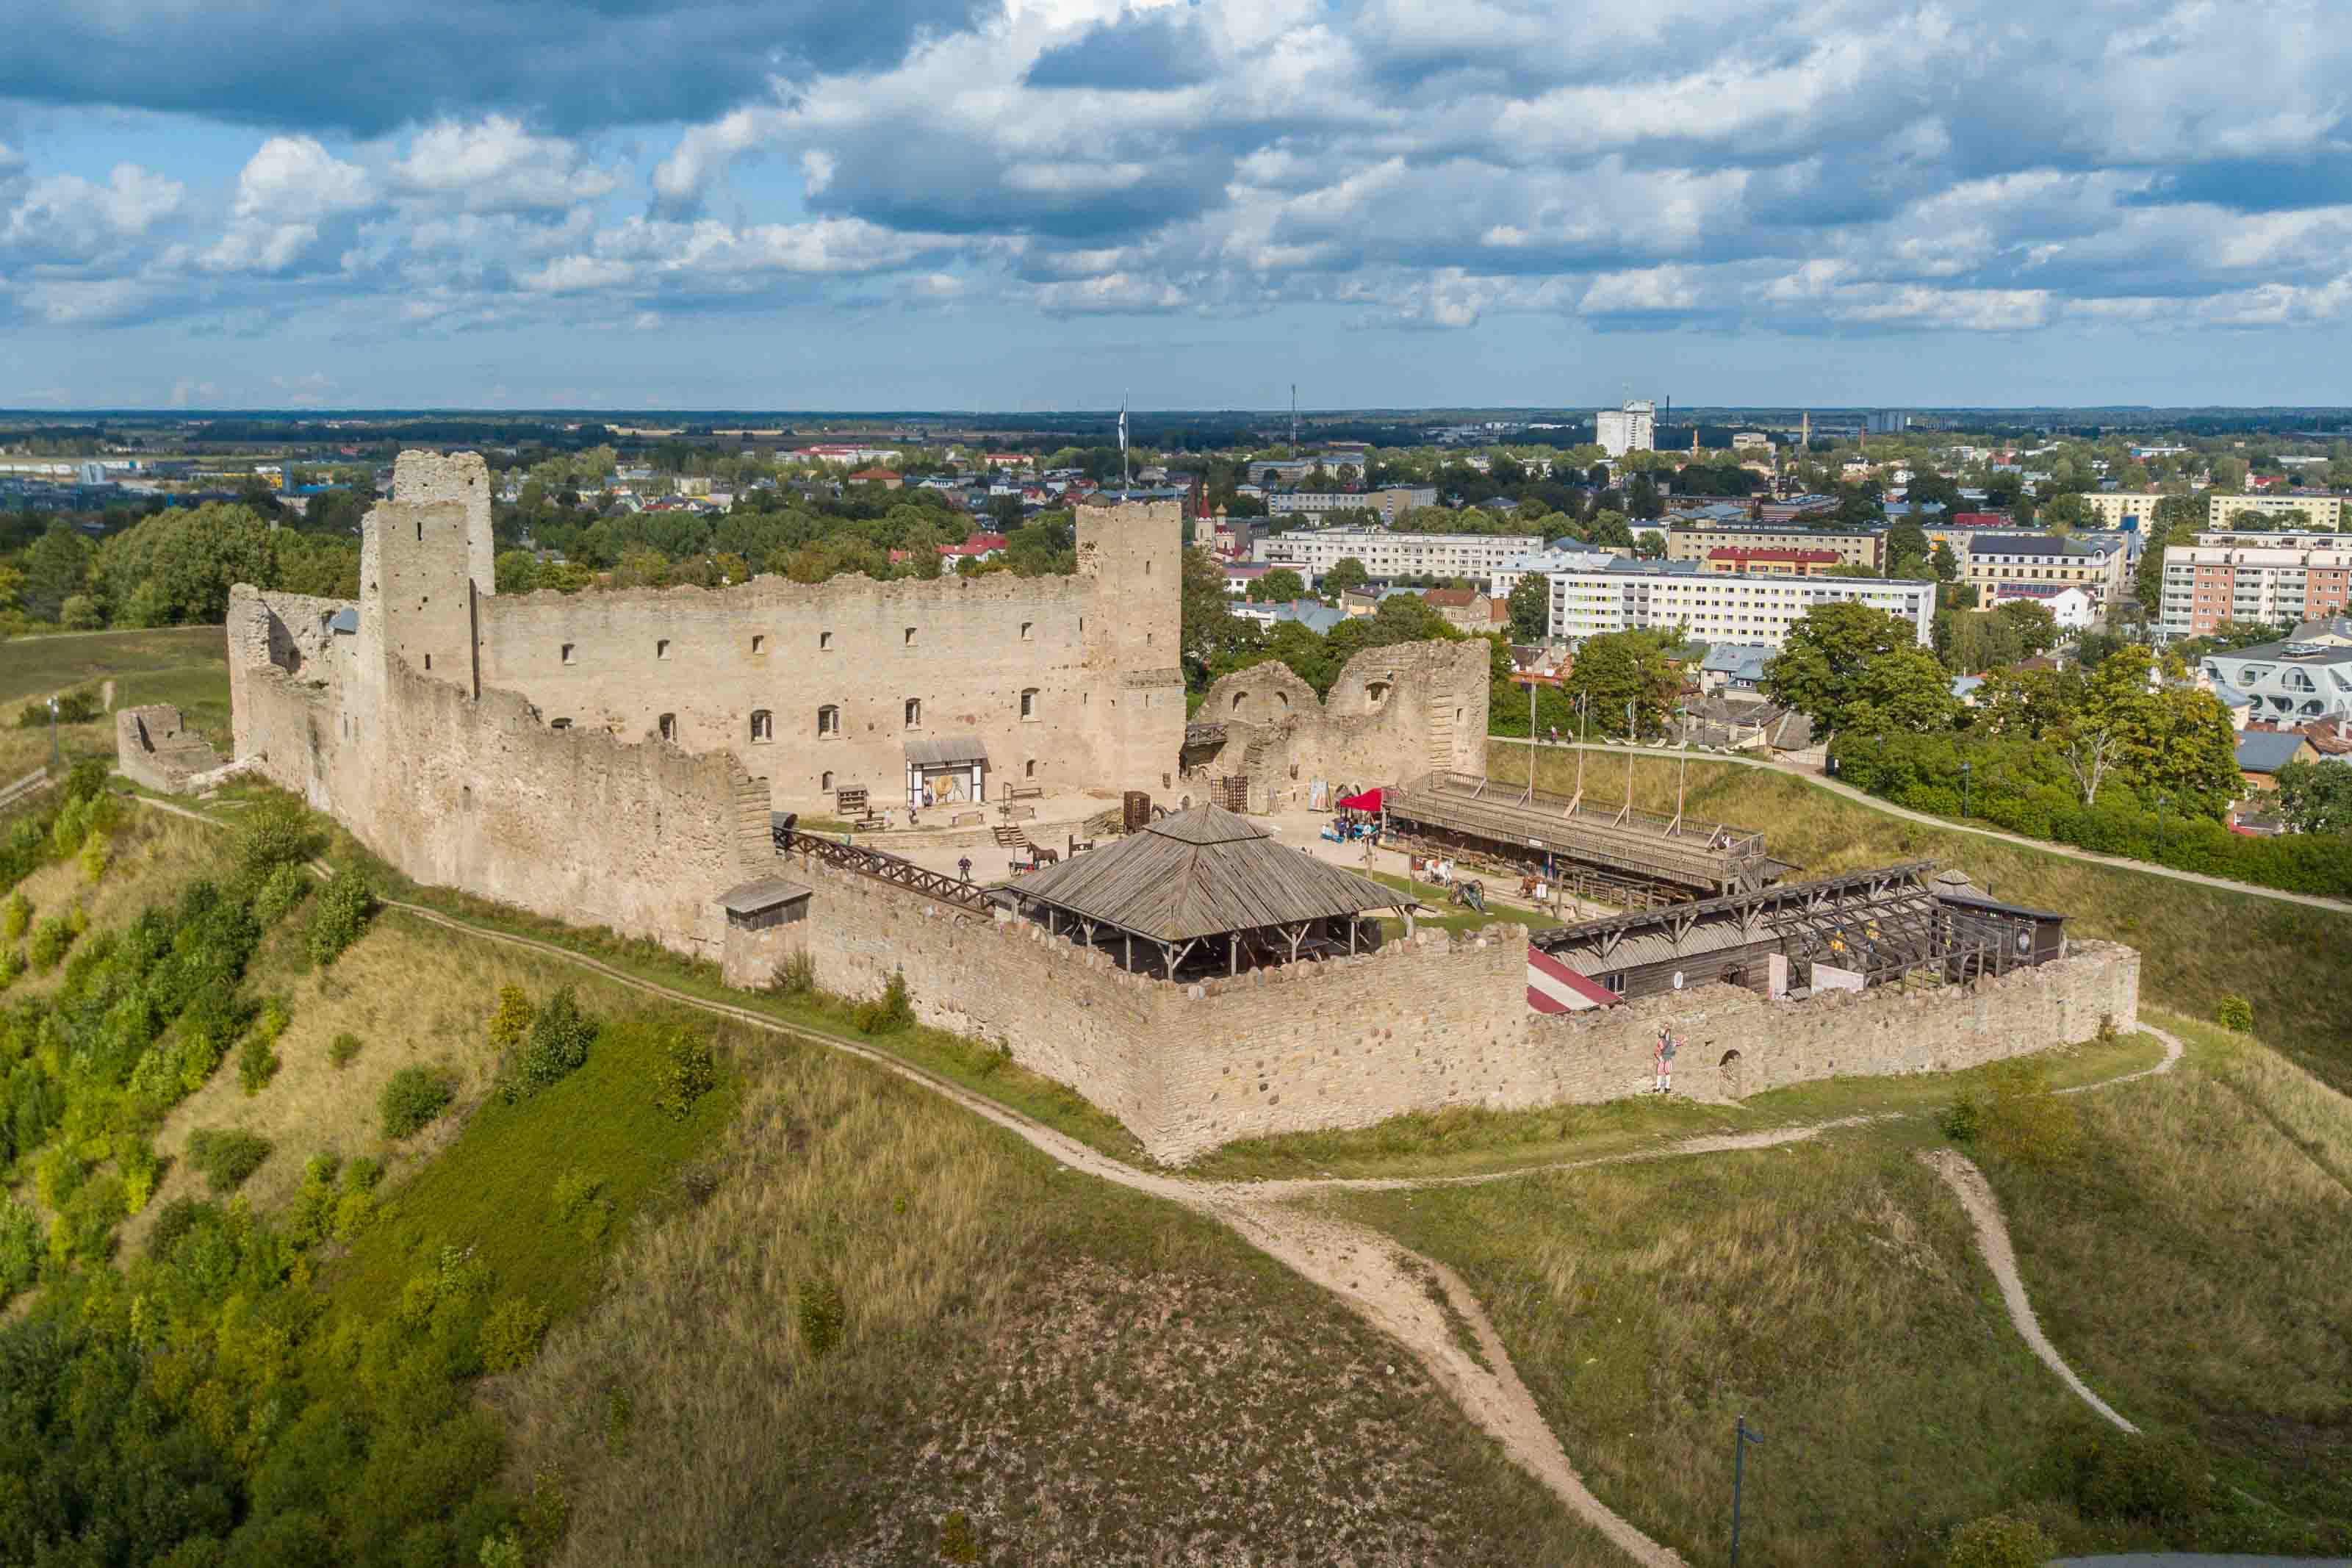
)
(1463, 609)
(888, 479)
(1979, 520)
(979, 547)
(1771, 563)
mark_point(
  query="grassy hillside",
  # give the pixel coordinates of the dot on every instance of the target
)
(883, 1314)
(2197, 942)
(186, 666)
(820, 1314)
(2188, 1259)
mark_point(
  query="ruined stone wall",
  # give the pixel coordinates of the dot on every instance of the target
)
(1415, 1026)
(154, 748)
(1393, 714)
(1094, 654)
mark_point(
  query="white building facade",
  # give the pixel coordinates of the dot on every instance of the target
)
(1633, 428)
(1388, 556)
(1717, 608)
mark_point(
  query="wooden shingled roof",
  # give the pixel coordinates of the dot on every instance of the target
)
(1201, 873)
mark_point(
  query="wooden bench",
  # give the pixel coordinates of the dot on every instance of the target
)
(967, 818)
(872, 822)
(1012, 813)
(1024, 792)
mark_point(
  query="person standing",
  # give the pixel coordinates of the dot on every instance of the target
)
(964, 865)
(1667, 1046)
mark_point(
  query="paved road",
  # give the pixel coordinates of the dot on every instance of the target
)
(1838, 786)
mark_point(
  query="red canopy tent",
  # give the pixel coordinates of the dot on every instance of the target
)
(1368, 801)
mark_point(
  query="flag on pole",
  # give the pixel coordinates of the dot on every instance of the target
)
(1122, 427)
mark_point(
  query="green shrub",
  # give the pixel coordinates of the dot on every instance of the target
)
(2023, 1120)
(888, 1014)
(818, 1312)
(797, 975)
(273, 834)
(2235, 1013)
(510, 1334)
(20, 1247)
(12, 966)
(686, 1074)
(341, 915)
(619, 1411)
(1963, 1119)
(579, 1199)
(281, 890)
(226, 1156)
(16, 915)
(96, 857)
(2116, 1475)
(555, 1047)
(343, 1048)
(1997, 1541)
(959, 1541)
(511, 1020)
(414, 1097)
(257, 1064)
(50, 939)
(73, 708)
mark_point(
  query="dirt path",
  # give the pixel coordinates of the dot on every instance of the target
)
(1378, 1280)
(1976, 1196)
(1838, 787)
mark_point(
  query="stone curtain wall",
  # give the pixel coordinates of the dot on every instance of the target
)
(1096, 653)
(637, 653)
(1416, 1026)
(1393, 714)
(154, 748)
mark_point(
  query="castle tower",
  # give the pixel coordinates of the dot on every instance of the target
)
(1132, 554)
(424, 557)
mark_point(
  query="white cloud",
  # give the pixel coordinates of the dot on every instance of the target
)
(66, 216)
(496, 165)
(286, 197)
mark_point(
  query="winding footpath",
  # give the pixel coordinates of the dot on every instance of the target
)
(1839, 788)
(1381, 1281)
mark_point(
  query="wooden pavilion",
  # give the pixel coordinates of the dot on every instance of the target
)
(1207, 888)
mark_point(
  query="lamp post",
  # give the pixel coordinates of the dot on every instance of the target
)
(1964, 792)
(54, 758)
(1742, 1437)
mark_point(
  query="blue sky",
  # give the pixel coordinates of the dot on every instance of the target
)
(1026, 204)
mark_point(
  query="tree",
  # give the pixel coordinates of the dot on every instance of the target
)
(192, 555)
(1908, 552)
(1345, 574)
(2316, 797)
(2061, 513)
(57, 565)
(515, 570)
(1610, 531)
(1209, 631)
(2034, 628)
(1530, 608)
(1847, 662)
(1279, 586)
(1618, 668)
(1947, 569)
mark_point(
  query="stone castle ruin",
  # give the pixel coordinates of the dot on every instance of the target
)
(615, 758)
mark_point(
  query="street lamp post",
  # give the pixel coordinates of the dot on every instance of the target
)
(54, 758)
(1964, 792)
(1742, 1437)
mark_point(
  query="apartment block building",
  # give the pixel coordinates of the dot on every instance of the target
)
(2002, 560)
(2115, 508)
(1630, 595)
(1390, 505)
(1574, 555)
(2251, 577)
(1854, 547)
(1388, 556)
(2321, 511)
(2301, 679)
(1633, 428)
(1771, 563)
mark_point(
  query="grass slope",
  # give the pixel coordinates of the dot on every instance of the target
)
(185, 665)
(1085, 1374)
(2194, 1264)
(2189, 1261)
(2196, 943)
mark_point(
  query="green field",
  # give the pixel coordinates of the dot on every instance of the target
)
(185, 665)
(2188, 1259)
(2196, 943)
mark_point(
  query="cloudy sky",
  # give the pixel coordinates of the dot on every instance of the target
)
(1030, 204)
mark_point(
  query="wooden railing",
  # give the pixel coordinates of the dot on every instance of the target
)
(882, 868)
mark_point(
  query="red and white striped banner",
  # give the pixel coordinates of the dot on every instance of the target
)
(1554, 987)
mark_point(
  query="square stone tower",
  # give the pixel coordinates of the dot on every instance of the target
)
(424, 558)
(1131, 554)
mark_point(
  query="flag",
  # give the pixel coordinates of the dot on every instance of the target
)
(1554, 987)
(1122, 427)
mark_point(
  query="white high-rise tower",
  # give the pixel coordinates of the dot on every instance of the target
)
(1633, 428)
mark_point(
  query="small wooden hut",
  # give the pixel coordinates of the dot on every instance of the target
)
(1205, 888)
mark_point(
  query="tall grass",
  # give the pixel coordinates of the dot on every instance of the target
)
(2196, 943)
(884, 1312)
